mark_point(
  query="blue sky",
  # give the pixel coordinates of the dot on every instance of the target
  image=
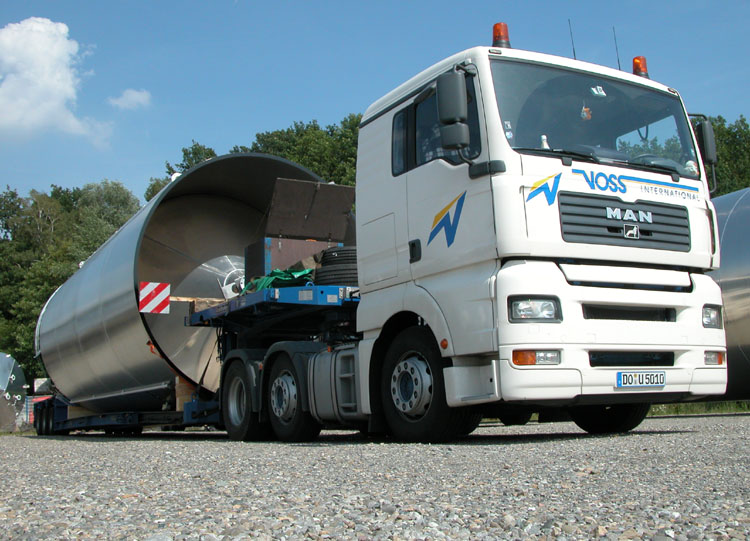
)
(103, 89)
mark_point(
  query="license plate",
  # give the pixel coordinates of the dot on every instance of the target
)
(641, 379)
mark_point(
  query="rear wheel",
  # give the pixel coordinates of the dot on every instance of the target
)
(240, 422)
(609, 419)
(469, 423)
(413, 392)
(514, 416)
(288, 420)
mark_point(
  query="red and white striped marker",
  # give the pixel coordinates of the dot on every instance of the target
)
(153, 298)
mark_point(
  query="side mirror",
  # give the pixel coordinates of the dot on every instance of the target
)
(453, 110)
(707, 141)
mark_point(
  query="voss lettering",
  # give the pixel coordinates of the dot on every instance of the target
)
(602, 181)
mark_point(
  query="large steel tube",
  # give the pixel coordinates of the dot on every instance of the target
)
(99, 350)
(733, 215)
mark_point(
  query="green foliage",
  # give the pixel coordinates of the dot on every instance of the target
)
(154, 187)
(191, 156)
(44, 237)
(733, 149)
(329, 152)
(700, 408)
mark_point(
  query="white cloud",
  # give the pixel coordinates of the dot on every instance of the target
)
(39, 82)
(131, 99)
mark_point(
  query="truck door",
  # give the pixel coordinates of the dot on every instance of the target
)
(451, 222)
(450, 214)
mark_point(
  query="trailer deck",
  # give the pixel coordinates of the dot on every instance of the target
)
(287, 310)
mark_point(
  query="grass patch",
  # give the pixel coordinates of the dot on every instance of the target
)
(699, 408)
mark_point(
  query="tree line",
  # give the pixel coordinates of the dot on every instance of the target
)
(45, 235)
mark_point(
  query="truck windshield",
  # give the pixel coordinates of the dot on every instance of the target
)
(552, 110)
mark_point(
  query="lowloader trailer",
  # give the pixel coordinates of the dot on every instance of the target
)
(533, 235)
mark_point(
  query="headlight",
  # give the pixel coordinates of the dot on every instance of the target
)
(712, 317)
(525, 309)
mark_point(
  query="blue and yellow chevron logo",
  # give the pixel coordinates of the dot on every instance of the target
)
(542, 186)
(443, 220)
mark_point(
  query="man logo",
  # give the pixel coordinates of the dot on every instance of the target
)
(631, 231)
(615, 213)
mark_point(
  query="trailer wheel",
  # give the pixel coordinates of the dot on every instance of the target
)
(41, 420)
(609, 419)
(240, 421)
(288, 420)
(413, 392)
(49, 418)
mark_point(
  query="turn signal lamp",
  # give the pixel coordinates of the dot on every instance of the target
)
(533, 358)
(500, 35)
(639, 67)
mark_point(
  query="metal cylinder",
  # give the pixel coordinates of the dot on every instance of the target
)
(105, 355)
(733, 215)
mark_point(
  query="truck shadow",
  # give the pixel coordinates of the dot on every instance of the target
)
(336, 438)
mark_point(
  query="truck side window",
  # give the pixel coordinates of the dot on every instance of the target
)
(427, 130)
(398, 150)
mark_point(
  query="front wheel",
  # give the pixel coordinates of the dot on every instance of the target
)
(288, 420)
(413, 391)
(609, 419)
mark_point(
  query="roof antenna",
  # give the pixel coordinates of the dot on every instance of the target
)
(616, 49)
(571, 40)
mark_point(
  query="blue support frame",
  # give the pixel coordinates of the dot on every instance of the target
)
(303, 296)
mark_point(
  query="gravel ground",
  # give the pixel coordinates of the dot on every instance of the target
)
(680, 478)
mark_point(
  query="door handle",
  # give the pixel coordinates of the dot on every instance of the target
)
(415, 251)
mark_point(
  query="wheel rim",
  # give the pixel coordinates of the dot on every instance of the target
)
(284, 396)
(237, 402)
(411, 386)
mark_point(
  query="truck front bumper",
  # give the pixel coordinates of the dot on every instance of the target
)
(623, 330)
(623, 324)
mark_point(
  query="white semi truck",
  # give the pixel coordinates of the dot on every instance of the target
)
(533, 234)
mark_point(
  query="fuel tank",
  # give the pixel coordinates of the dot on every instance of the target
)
(105, 355)
(733, 215)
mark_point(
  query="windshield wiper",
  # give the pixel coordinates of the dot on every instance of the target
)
(659, 164)
(561, 152)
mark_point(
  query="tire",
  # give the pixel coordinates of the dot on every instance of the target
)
(469, 424)
(413, 392)
(49, 419)
(344, 275)
(240, 422)
(609, 419)
(514, 416)
(41, 422)
(288, 420)
(339, 255)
